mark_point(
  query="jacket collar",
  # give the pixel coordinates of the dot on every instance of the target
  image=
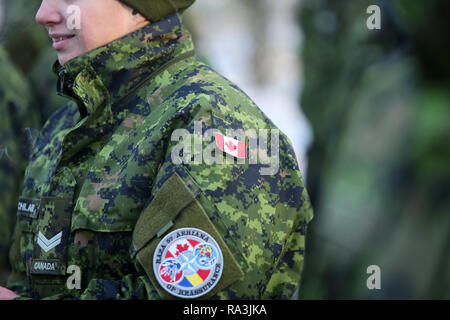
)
(106, 75)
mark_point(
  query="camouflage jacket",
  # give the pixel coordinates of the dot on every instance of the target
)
(16, 123)
(105, 186)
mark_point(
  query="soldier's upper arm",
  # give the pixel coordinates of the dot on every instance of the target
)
(182, 251)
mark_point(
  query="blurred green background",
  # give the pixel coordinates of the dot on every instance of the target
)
(375, 146)
(378, 173)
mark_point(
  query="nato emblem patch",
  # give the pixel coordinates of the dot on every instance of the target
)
(188, 263)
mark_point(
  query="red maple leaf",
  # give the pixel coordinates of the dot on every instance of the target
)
(182, 248)
(230, 145)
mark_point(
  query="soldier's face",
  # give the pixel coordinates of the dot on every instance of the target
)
(79, 26)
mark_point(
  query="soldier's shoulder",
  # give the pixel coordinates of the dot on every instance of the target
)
(193, 87)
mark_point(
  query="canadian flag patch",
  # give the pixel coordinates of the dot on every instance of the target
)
(231, 146)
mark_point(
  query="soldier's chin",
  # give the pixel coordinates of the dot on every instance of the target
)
(64, 57)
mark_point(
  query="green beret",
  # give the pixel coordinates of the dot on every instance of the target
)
(155, 10)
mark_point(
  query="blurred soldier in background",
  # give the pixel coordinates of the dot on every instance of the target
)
(378, 176)
(28, 47)
(15, 122)
(23, 108)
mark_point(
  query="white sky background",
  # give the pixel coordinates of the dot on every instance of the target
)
(256, 44)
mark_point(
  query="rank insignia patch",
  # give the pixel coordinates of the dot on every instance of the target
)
(188, 263)
(48, 244)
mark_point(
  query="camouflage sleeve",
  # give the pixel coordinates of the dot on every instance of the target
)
(261, 218)
(131, 287)
(291, 262)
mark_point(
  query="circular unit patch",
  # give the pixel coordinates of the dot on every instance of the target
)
(188, 263)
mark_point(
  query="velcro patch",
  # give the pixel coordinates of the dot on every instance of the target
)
(46, 266)
(28, 207)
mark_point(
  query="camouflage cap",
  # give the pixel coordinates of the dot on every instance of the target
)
(155, 10)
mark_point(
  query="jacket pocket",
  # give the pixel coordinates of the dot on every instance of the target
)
(104, 216)
(172, 242)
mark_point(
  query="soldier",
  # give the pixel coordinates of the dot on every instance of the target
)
(15, 125)
(115, 199)
(22, 116)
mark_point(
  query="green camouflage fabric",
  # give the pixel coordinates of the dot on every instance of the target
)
(16, 123)
(105, 160)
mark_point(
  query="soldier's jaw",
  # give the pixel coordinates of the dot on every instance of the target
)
(67, 50)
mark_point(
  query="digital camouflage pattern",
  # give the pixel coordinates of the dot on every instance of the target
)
(102, 161)
(15, 122)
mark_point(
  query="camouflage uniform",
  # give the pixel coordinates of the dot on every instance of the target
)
(15, 119)
(102, 177)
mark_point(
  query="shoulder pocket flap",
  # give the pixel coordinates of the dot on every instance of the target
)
(168, 202)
